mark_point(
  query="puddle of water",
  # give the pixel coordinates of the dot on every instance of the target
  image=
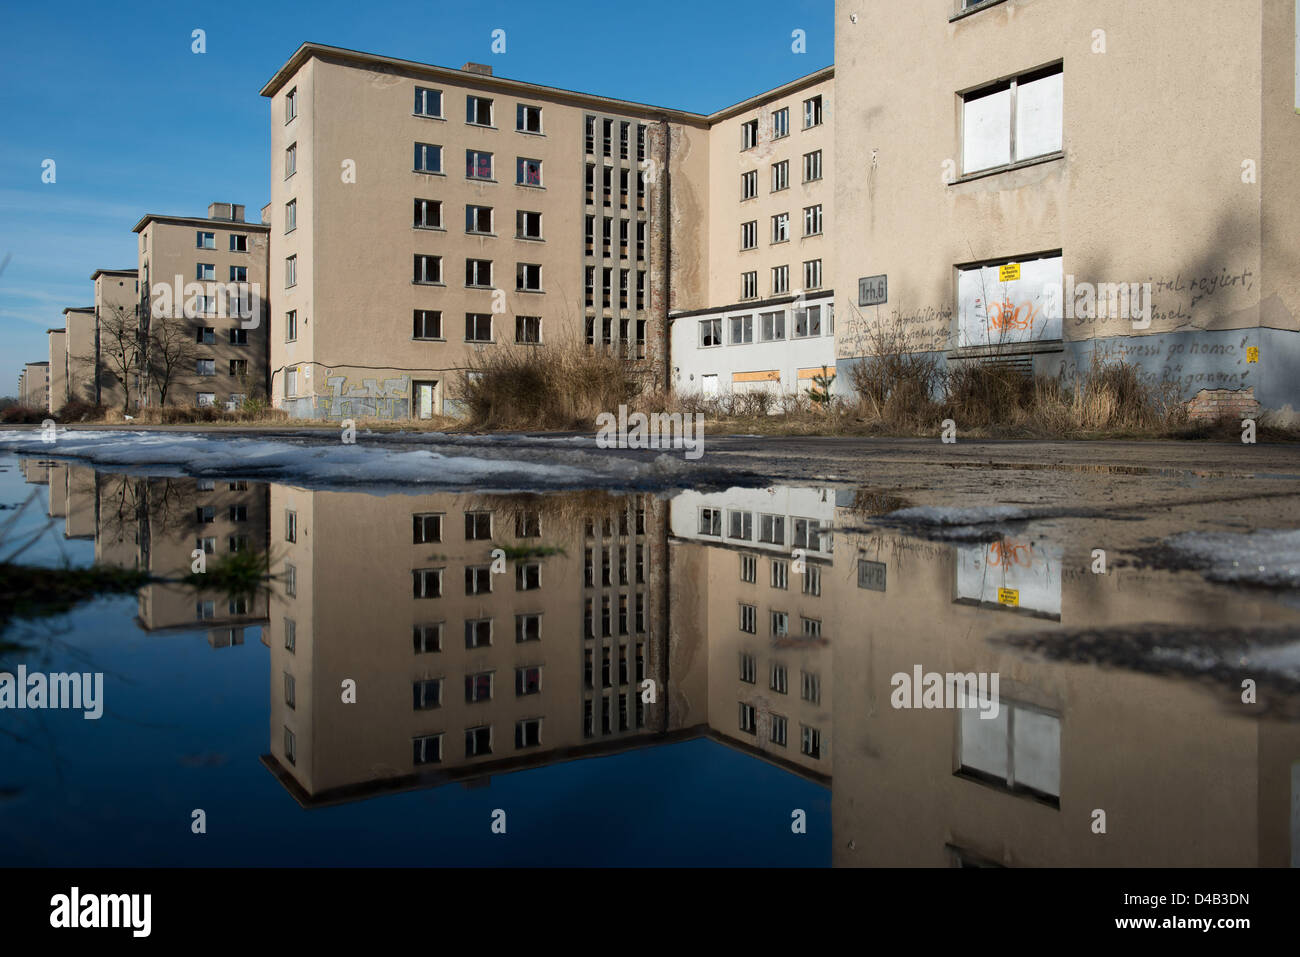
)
(631, 679)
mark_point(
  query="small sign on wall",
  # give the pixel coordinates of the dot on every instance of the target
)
(1009, 272)
(1252, 353)
(873, 290)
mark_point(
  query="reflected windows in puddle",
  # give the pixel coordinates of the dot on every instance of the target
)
(777, 678)
(478, 741)
(528, 733)
(528, 681)
(478, 633)
(811, 687)
(605, 726)
(207, 545)
(427, 749)
(478, 580)
(528, 628)
(748, 569)
(291, 581)
(605, 622)
(640, 612)
(808, 534)
(427, 582)
(588, 569)
(622, 664)
(711, 522)
(812, 627)
(588, 618)
(290, 635)
(204, 485)
(771, 529)
(778, 730)
(749, 619)
(290, 692)
(604, 668)
(588, 718)
(748, 720)
(240, 486)
(426, 694)
(812, 581)
(427, 638)
(588, 667)
(1018, 749)
(622, 565)
(810, 742)
(237, 543)
(290, 747)
(780, 624)
(426, 527)
(640, 564)
(605, 579)
(238, 605)
(204, 515)
(204, 610)
(780, 574)
(290, 525)
(640, 520)
(622, 522)
(528, 576)
(588, 528)
(622, 712)
(640, 662)
(478, 687)
(239, 513)
(478, 526)
(528, 525)
(748, 668)
(740, 525)
(622, 614)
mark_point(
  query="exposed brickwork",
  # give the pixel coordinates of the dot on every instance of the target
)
(1209, 405)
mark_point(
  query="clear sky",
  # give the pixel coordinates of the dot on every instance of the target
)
(136, 122)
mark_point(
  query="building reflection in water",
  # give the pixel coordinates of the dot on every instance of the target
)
(417, 640)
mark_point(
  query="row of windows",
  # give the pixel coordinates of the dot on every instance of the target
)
(607, 187)
(427, 749)
(635, 348)
(207, 335)
(607, 237)
(479, 220)
(206, 514)
(478, 273)
(779, 621)
(607, 718)
(625, 672)
(607, 141)
(610, 559)
(208, 272)
(780, 577)
(610, 618)
(479, 165)
(426, 693)
(812, 116)
(812, 171)
(205, 610)
(812, 226)
(809, 533)
(207, 239)
(427, 526)
(428, 582)
(624, 524)
(771, 326)
(207, 367)
(607, 287)
(810, 683)
(810, 738)
(780, 284)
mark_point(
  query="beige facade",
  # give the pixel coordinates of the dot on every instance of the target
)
(203, 293)
(58, 366)
(421, 215)
(35, 385)
(1007, 166)
(461, 664)
(91, 376)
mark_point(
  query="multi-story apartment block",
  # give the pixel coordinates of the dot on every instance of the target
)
(78, 355)
(766, 320)
(1014, 183)
(58, 366)
(34, 386)
(203, 308)
(92, 376)
(422, 218)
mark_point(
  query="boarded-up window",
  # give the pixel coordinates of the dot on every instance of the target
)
(995, 309)
(1013, 120)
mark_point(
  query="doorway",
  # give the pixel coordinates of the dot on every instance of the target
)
(425, 399)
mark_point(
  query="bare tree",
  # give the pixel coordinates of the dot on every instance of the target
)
(119, 347)
(172, 351)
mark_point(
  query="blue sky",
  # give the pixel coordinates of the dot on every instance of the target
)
(137, 123)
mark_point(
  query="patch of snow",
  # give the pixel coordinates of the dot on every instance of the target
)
(1262, 557)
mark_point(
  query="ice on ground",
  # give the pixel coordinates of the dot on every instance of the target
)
(1262, 557)
(940, 515)
(373, 461)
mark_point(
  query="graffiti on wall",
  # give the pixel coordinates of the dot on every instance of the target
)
(386, 399)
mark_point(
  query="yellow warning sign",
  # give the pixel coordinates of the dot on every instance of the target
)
(1009, 596)
(1252, 353)
(1008, 272)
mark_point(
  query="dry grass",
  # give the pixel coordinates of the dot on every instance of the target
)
(563, 386)
(251, 414)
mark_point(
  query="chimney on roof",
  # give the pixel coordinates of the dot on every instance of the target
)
(482, 68)
(230, 211)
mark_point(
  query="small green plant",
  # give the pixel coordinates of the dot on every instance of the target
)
(820, 393)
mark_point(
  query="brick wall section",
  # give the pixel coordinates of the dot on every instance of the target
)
(1210, 405)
